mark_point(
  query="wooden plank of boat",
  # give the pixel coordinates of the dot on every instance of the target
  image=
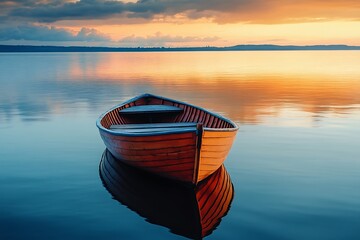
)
(154, 129)
(150, 109)
(154, 125)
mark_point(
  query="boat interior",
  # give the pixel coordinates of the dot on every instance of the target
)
(152, 114)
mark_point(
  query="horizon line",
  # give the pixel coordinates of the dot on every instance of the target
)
(240, 47)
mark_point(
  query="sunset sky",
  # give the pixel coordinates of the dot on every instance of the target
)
(173, 23)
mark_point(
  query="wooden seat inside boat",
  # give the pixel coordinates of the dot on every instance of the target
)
(150, 109)
(154, 127)
(150, 113)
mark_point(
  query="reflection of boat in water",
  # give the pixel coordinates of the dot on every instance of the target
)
(190, 211)
(167, 137)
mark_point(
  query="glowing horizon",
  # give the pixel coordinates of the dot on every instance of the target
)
(183, 23)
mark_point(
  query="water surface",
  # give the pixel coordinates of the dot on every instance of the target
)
(295, 164)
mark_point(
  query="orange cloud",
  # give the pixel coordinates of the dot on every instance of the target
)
(254, 11)
(272, 12)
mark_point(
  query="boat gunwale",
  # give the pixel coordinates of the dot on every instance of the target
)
(175, 131)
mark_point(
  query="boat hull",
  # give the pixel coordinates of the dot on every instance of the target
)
(170, 155)
(215, 146)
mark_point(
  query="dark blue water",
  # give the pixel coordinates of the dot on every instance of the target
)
(295, 164)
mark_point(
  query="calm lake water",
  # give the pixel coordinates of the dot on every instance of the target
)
(295, 163)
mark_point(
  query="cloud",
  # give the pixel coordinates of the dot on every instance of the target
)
(29, 32)
(251, 11)
(62, 10)
(90, 34)
(160, 40)
(43, 33)
(51, 11)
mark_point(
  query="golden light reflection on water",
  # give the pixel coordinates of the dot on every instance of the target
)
(176, 65)
(245, 86)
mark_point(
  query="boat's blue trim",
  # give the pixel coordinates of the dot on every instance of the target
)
(175, 131)
(98, 124)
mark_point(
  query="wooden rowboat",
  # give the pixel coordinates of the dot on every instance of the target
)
(167, 137)
(192, 212)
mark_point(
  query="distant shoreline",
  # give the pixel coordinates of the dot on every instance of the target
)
(264, 47)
